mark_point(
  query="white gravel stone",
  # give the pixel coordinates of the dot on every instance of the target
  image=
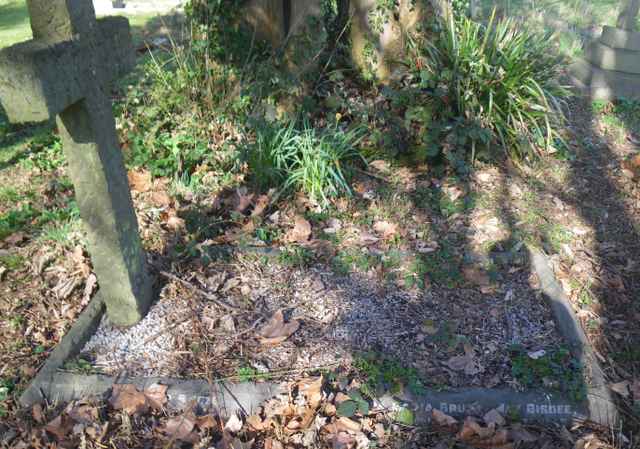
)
(148, 347)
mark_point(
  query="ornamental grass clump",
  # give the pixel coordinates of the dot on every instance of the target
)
(303, 158)
(495, 85)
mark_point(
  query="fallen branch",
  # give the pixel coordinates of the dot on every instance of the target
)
(207, 295)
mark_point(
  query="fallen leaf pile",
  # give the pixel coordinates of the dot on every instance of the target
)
(314, 415)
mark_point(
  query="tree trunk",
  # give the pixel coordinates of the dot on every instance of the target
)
(379, 36)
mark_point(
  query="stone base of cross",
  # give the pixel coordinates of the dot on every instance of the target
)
(610, 68)
(64, 72)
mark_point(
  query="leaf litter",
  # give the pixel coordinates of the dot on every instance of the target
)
(301, 417)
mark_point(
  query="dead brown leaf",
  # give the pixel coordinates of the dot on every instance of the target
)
(301, 422)
(278, 407)
(82, 413)
(243, 200)
(261, 205)
(256, 422)
(160, 199)
(367, 238)
(175, 223)
(270, 443)
(476, 276)
(341, 397)
(140, 181)
(311, 388)
(301, 231)
(275, 331)
(330, 409)
(15, 238)
(60, 427)
(501, 440)
(466, 362)
(206, 422)
(342, 440)
(37, 414)
(380, 165)
(181, 428)
(442, 419)
(591, 441)
(345, 424)
(127, 398)
(472, 431)
(385, 229)
(156, 395)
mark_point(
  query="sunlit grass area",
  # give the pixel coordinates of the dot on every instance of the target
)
(580, 13)
(574, 21)
(14, 22)
(15, 27)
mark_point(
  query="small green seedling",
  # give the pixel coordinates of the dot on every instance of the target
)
(357, 404)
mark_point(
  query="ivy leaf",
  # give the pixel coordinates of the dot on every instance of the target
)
(347, 409)
(363, 408)
(356, 395)
(405, 416)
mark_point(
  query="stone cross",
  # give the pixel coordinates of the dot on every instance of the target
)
(628, 17)
(64, 73)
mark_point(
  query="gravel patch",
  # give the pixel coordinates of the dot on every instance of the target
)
(144, 349)
(340, 317)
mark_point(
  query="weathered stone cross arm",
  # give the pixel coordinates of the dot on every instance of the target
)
(40, 79)
(64, 72)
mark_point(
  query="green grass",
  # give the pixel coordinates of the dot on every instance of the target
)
(15, 26)
(12, 262)
(304, 159)
(295, 256)
(580, 13)
(382, 374)
(14, 22)
(541, 14)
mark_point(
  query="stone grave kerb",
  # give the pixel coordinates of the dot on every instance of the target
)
(64, 73)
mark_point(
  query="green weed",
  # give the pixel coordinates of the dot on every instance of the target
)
(295, 256)
(630, 354)
(267, 235)
(80, 365)
(248, 374)
(61, 233)
(7, 387)
(354, 259)
(441, 267)
(557, 367)
(12, 261)
(16, 321)
(382, 375)
(9, 195)
(45, 152)
(16, 219)
(26, 217)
